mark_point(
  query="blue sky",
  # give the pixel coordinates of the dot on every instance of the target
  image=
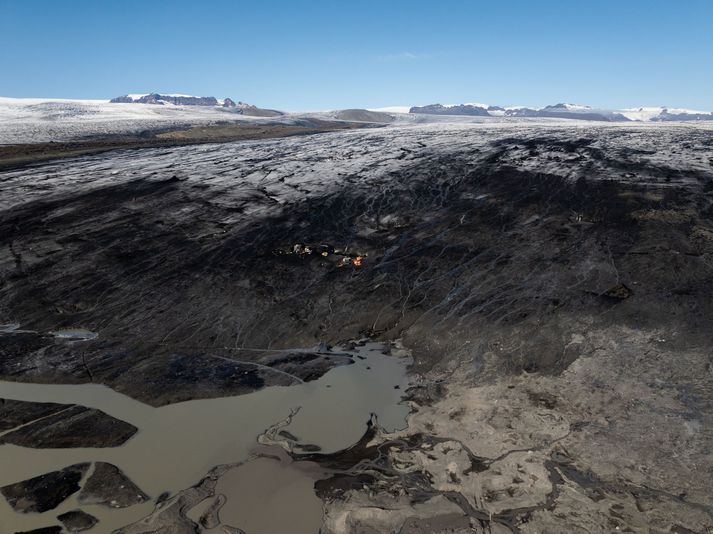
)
(300, 55)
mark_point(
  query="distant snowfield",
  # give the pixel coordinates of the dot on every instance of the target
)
(41, 120)
(650, 113)
(642, 114)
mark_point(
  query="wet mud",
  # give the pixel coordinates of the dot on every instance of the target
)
(175, 446)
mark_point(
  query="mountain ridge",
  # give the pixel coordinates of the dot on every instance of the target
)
(191, 100)
(568, 111)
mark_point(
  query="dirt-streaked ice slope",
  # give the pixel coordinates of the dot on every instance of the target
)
(554, 284)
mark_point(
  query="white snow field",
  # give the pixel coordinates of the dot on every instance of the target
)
(41, 120)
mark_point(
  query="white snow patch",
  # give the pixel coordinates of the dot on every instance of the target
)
(10, 101)
(577, 107)
(392, 109)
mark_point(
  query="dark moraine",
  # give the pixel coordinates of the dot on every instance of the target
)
(14, 413)
(44, 492)
(54, 529)
(109, 486)
(67, 426)
(77, 520)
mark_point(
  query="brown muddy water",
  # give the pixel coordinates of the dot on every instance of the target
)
(177, 445)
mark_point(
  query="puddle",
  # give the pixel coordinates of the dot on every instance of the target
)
(177, 445)
(283, 495)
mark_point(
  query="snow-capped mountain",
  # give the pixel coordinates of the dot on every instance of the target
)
(568, 111)
(40, 120)
(666, 114)
(451, 109)
(175, 99)
(190, 100)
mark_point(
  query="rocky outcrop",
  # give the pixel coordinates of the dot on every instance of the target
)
(126, 99)
(155, 98)
(254, 111)
(462, 109)
(207, 101)
(177, 100)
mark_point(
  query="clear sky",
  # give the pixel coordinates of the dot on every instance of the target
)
(309, 55)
